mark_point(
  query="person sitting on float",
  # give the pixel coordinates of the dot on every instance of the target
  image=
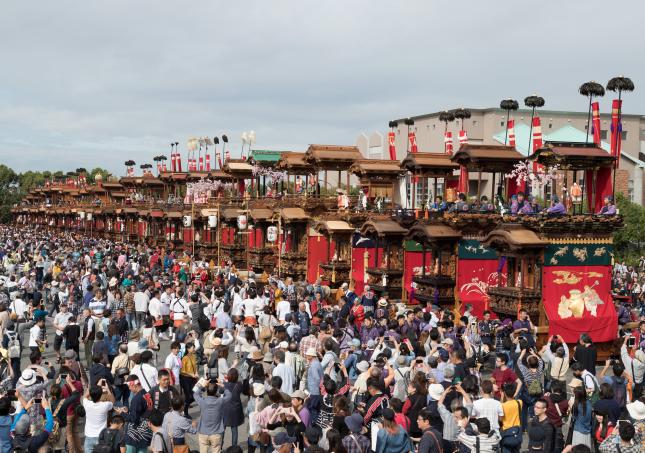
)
(461, 205)
(485, 205)
(535, 206)
(557, 208)
(521, 205)
(609, 208)
(439, 205)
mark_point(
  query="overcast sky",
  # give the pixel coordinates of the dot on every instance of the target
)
(96, 83)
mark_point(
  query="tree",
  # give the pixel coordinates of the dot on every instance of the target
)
(95, 171)
(9, 192)
(628, 241)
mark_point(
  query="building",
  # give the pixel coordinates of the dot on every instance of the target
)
(488, 126)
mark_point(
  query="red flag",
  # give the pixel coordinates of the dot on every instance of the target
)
(616, 130)
(412, 137)
(164, 167)
(390, 140)
(463, 138)
(511, 132)
(208, 162)
(178, 159)
(595, 122)
(227, 155)
(173, 162)
(201, 163)
(159, 168)
(447, 143)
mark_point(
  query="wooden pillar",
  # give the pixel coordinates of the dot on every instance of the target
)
(347, 179)
(435, 188)
(592, 202)
(387, 253)
(492, 190)
(325, 181)
(376, 252)
(479, 184)
(338, 183)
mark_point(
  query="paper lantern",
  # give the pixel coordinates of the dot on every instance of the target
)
(81, 215)
(212, 221)
(242, 222)
(89, 216)
(188, 221)
(272, 234)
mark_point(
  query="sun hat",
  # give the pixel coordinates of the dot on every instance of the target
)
(575, 383)
(298, 394)
(435, 391)
(283, 345)
(448, 341)
(255, 353)
(28, 377)
(362, 366)
(354, 422)
(311, 352)
(268, 357)
(283, 438)
(636, 410)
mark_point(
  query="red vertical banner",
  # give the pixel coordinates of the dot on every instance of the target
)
(603, 187)
(317, 255)
(412, 137)
(616, 130)
(595, 122)
(537, 140)
(463, 180)
(208, 162)
(447, 143)
(510, 126)
(391, 146)
(463, 137)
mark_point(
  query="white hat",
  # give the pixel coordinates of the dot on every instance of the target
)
(55, 283)
(448, 341)
(435, 391)
(636, 410)
(28, 377)
(311, 352)
(283, 345)
(258, 389)
(362, 366)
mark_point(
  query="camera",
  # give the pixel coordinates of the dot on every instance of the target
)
(631, 342)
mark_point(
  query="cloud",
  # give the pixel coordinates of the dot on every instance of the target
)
(96, 83)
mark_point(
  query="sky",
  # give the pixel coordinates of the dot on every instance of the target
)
(86, 84)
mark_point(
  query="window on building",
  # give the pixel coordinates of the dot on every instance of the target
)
(630, 189)
(550, 125)
(474, 122)
(603, 134)
(501, 123)
(623, 135)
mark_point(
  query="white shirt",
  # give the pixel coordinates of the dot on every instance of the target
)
(150, 373)
(155, 308)
(179, 307)
(141, 301)
(173, 363)
(489, 408)
(250, 305)
(283, 307)
(19, 307)
(34, 335)
(95, 416)
(61, 320)
(236, 309)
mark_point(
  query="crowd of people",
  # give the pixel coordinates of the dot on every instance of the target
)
(155, 350)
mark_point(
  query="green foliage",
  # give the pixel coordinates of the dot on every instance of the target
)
(95, 171)
(629, 241)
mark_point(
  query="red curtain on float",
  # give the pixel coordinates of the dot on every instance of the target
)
(513, 188)
(414, 268)
(188, 235)
(603, 187)
(473, 279)
(317, 255)
(577, 300)
(462, 187)
(361, 245)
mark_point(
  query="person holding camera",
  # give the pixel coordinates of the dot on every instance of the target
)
(210, 428)
(96, 412)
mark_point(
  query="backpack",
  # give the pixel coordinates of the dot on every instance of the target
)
(619, 386)
(203, 322)
(108, 441)
(13, 346)
(535, 388)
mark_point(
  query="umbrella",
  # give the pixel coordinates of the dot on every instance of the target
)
(591, 89)
(508, 105)
(534, 102)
